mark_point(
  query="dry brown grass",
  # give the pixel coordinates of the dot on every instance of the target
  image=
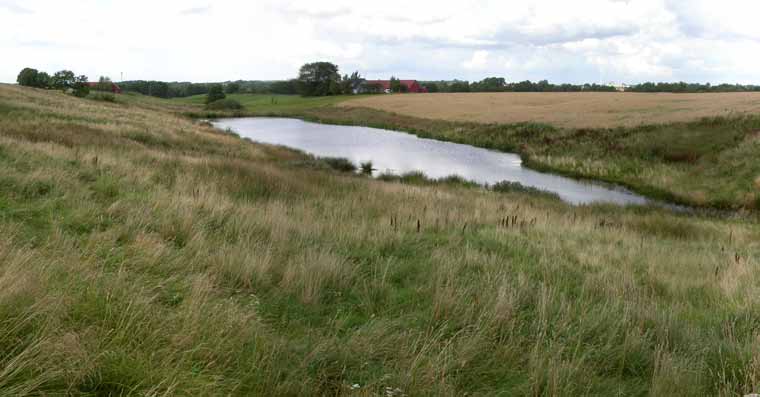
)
(573, 110)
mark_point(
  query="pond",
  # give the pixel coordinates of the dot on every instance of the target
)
(398, 153)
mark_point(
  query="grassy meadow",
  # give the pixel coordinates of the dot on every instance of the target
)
(145, 253)
(271, 105)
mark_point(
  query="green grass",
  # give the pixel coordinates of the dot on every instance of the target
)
(261, 104)
(144, 253)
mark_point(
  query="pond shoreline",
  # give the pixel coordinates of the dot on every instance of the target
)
(589, 183)
(387, 121)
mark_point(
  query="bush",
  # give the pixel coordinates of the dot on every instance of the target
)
(80, 90)
(339, 163)
(224, 104)
(215, 93)
(103, 96)
(517, 187)
(366, 167)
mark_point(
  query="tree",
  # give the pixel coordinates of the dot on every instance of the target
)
(431, 87)
(318, 79)
(28, 77)
(459, 86)
(104, 84)
(351, 84)
(80, 86)
(395, 84)
(490, 84)
(215, 93)
(63, 79)
(43, 80)
(287, 87)
(232, 88)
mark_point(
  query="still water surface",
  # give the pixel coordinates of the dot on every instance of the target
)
(398, 152)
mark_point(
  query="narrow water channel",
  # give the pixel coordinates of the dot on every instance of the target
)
(398, 153)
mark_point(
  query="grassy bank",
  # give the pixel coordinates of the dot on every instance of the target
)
(145, 253)
(704, 163)
(269, 105)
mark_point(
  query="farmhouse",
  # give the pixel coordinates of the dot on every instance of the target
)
(384, 86)
(114, 87)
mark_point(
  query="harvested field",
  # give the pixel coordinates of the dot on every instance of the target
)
(573, 110)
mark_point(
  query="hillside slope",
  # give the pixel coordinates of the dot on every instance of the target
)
(145, 253)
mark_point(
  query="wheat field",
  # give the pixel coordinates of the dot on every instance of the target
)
(571, 110)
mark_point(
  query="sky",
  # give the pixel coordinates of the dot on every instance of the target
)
(579, 41)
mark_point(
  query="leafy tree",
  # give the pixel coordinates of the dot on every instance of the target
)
(431, 87)
(318, 79)
(490, 84)
(287, 87)
(215, 93)
(80, 86)
(459, 86)
(104, 84)
(42, 80)
(352, 83)
(63, 79)
(395, 84)
(28, 77)
(232, 88)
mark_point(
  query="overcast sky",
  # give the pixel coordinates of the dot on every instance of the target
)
(560, 40)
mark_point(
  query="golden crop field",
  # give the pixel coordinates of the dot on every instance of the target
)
(575, 110)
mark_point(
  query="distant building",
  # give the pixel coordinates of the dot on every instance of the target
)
(384, 86)
(619, 87)
(114, 87)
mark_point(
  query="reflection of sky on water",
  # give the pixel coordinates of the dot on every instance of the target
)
(400, 152)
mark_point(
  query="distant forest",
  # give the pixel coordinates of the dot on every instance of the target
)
(163, 89)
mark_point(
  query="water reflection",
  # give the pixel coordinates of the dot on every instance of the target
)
(399, 152)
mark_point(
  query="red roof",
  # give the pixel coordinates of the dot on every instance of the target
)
(411, 85)
(114, 87)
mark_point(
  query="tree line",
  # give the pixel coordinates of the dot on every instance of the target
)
(163, 89)
(500, 84)
(682, 87)
(62, 80)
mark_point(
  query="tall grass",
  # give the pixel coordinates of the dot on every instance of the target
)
(190, 262)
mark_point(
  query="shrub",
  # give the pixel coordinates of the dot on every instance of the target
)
(215, 93)
(103, 96)
(224, 104)
(339, 163)
(366, 167)
(517, 187)
(81, 91)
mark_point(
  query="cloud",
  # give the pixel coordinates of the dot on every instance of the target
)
(196, 10)
(478, 61)
(14, 8)
(588, 41)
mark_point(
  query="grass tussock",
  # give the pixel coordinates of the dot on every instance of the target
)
(144, 253)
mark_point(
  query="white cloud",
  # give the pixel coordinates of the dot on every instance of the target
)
(479, 61)
(586, 40)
